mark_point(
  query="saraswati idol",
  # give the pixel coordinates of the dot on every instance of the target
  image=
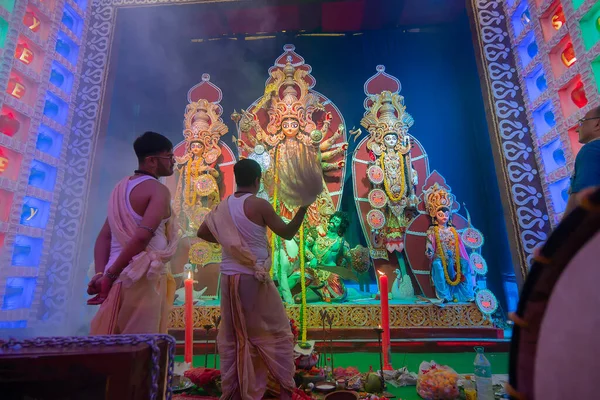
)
(288, 131)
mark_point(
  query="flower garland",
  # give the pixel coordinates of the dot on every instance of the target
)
(303, 311)
(442, 256)
(273, 236)
(190, 195)
(386, 184)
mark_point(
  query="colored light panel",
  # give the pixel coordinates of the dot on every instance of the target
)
(18, 293)
(56, 109)
(562, 56)
(596, 70)
(590, 27)
(536, 83)
(6, 200)
(574, 141)
(572, 97)
(10, 163)
(42, 176)
(61, 77)
(27, 251)
(553, 156)
(9, 5)
(67, 48)
(3, 32)
(544, 119)
(527, 49)
(35, 212)
(49, 141)
(559, 194)
(521, 18)
(72, 21)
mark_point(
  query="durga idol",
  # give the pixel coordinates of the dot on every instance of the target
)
(451, 269)
(292, 150)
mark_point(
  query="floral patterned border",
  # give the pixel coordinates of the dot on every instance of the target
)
(527, 215)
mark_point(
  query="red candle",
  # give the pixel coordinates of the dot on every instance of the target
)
(385, 320)
(189, 319)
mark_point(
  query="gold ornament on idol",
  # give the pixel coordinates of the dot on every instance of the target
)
(442, 256)
(386, 184)
(273, 236)
(303, 309)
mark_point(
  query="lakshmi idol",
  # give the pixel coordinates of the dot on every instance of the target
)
(199, 188)
(198, 185)
(296, 141)
(451, 269)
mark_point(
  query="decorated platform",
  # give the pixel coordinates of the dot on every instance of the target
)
(427, 320)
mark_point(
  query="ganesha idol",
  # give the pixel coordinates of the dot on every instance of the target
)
(290, 131)
(204, 176)
(386, 167)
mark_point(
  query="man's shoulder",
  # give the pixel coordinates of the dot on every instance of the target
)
(258, 201)
(589, 149)
(155, 188)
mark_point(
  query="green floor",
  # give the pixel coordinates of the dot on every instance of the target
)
(460, 362)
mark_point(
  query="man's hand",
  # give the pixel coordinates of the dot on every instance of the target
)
(93, 287)
(104, 284)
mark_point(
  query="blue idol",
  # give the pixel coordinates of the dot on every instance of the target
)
(549, 118)
(541, 84)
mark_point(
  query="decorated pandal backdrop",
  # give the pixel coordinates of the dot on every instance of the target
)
(432, 193)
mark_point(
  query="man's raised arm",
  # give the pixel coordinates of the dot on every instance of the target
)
(277, 225)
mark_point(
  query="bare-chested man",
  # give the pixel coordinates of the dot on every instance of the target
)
(132, 282)
(255, 336)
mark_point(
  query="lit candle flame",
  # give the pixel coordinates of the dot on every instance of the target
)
(189, 275)
(381, 273)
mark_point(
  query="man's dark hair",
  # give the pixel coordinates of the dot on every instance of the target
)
(246, 172)
(151, 144)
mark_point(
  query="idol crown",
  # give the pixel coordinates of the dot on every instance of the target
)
(289, 95)
(387, 114)
(203, 123)
(437, 197)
